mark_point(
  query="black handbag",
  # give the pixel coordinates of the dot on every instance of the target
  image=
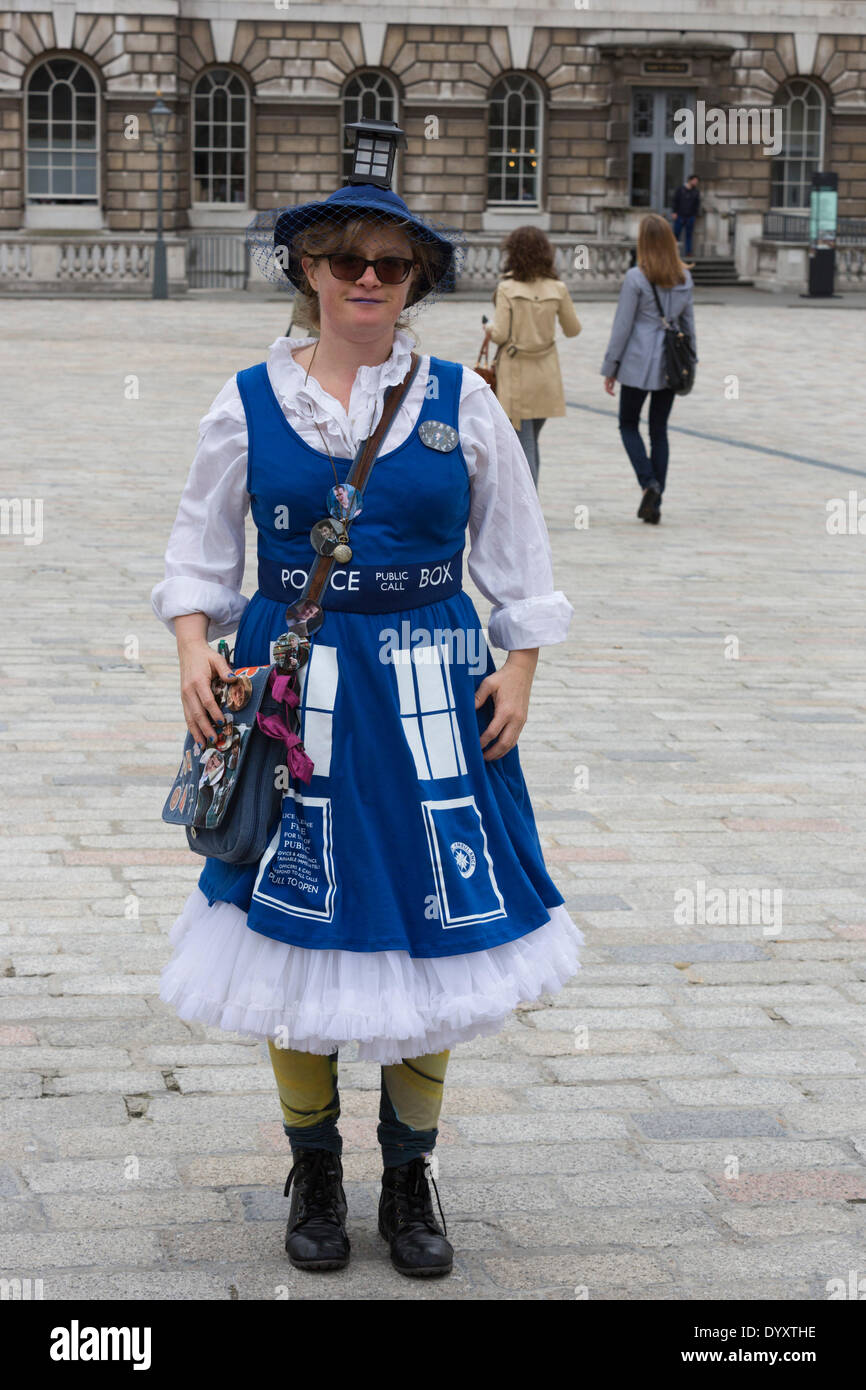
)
(679, 353)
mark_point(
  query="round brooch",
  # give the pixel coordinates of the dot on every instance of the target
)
(437, 435)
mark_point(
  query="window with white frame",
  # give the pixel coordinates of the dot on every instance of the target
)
(62, 133)
(514, 142)
(803, 119)
(367, 96)
(220, 138)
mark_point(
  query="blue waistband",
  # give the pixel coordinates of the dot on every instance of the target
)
(368, 588)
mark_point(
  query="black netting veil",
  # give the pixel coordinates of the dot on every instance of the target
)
(276, 239)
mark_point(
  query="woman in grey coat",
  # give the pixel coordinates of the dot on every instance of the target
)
(635, 358)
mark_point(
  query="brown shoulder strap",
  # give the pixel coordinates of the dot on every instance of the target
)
(361, 468)
(359, 473)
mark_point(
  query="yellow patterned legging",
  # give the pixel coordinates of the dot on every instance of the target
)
(409, 1102)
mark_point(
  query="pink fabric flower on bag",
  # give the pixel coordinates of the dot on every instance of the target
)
(298, 761)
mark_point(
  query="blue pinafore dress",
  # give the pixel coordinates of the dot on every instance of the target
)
(405, 838)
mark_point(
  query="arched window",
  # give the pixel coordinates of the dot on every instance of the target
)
(62, 133)
(220, 138)
(514, 142)
(802, 144)
(367, 96)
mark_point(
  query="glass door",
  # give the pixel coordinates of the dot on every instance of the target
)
(657, 164)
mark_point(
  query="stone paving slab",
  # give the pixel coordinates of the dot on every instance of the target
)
(687, 1119)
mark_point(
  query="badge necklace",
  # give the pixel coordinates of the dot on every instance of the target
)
(326, 539)
(329, 538)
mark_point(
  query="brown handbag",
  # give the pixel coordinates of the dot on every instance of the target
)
(484, 367)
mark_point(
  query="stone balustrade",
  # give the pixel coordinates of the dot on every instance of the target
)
(851, 267)
(120, 265)
(57, 264)
(784, 266)
(581, 262)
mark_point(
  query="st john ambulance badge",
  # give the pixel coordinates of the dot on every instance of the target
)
(464, 858)
(439, 436)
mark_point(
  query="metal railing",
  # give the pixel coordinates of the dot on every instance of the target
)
(217, 261)
(785, 226)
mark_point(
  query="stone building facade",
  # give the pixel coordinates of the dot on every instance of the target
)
(564, 115)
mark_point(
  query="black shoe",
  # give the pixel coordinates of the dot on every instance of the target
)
(316, 1234)
(650, 504)
(406, 1221)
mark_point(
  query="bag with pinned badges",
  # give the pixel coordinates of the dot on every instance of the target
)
(228, 792)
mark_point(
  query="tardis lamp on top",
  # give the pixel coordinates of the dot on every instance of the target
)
(376, 144)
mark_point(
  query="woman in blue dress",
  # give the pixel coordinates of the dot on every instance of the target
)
(403, 902)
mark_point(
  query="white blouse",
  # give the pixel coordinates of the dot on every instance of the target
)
(509, 558)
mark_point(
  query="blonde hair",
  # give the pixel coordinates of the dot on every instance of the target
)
(658, 255)
(324, 238)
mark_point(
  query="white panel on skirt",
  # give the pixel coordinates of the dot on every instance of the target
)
(439, 739)
(318, 691)
(429, 719)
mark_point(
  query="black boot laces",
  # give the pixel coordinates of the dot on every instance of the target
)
(416, 1195)
(318, 1196)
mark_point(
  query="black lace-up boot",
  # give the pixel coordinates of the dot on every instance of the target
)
(406, 1221)
(316, 1234)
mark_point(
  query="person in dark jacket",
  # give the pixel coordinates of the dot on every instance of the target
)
(686, 206)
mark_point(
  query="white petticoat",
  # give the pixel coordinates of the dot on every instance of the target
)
(224, 974)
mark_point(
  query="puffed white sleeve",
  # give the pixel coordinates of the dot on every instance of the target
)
(204, 562)
(510, 558)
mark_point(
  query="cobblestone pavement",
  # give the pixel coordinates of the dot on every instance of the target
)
(688, 1118)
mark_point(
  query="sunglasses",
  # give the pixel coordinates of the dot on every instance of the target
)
(390, 270)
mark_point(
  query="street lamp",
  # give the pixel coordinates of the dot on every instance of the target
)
(160, 115)
(375, 149)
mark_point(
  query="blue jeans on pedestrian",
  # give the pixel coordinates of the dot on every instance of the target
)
(689, 224)
(652, 467)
